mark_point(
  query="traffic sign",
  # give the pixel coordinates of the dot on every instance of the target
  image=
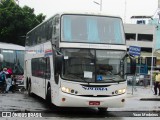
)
(135, 50)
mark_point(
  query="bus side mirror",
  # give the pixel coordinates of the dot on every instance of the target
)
(132, 65)
(1, 58)
(58, 63)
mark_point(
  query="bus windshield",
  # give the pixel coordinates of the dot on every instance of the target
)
(83, 65)
(92, 29)
(13, 59)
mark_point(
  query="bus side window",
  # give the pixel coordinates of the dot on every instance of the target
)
(55, 30)
(48, 70)
(50, 28)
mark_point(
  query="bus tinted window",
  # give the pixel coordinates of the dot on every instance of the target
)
(92, 29)
(13, 59)
(40, 34)
(89, 65)
(41, 67)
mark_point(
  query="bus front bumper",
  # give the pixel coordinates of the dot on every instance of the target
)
(68, 100)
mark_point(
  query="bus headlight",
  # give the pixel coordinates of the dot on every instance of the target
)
(120, 91)
(68, 90)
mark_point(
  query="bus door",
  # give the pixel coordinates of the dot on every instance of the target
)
(47, 73)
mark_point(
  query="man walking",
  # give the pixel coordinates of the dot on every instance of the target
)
(157, 84)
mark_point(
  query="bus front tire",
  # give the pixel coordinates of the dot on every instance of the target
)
(48, 96)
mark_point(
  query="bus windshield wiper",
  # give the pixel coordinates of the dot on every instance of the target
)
(75, 75)
(110, 79)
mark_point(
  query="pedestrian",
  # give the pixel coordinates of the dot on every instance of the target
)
(13, 87)
(157, 84)
(2, 81)
(8, 79)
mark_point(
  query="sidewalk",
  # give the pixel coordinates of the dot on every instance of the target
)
(142, 93)
(142, 99)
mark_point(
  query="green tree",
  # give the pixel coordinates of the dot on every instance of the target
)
(16, 21)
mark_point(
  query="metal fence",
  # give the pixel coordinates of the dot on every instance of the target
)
(138, 80)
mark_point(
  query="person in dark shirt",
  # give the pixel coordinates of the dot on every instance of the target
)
(2, 81)
(13, 88)
(8, 79)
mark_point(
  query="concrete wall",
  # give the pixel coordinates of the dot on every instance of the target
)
(140, 29)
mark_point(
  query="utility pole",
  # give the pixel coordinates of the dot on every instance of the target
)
(125, 4)
(100, 5)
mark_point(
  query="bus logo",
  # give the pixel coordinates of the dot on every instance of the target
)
(48, 52)
(95, 88)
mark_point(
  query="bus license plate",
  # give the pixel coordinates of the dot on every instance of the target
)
(94, 102)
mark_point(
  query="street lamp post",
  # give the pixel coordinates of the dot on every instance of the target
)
(125, 11)
(152, 60)
(99, 3)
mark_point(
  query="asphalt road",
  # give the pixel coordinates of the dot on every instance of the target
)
(21, 106)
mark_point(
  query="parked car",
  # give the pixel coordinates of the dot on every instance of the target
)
(139, 80)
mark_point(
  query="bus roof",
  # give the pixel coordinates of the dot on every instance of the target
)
(78, 13)
(11, 46)
(88, 13)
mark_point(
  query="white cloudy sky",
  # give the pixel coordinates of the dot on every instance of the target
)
(111, 7)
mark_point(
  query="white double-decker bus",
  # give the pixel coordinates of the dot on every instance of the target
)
(77, 60)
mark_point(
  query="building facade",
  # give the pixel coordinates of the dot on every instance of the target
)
(144, 36)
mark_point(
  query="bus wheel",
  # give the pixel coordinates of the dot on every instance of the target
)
(48, 96)
(102, 110)
(29, 90)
